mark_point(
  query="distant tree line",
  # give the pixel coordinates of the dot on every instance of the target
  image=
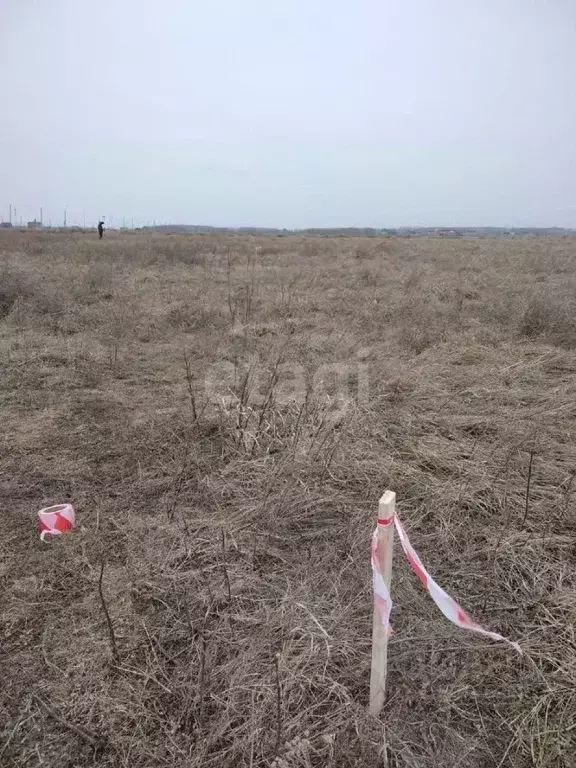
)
(362, 231)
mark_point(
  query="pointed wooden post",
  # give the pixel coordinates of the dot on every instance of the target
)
(385, 533)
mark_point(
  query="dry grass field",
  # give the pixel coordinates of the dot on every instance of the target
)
(224, 413)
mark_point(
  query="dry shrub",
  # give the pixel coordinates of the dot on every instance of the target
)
(385, 247)
(418, 338)
(425, 322)
(95, 283)
(412, 282)
(188, 317)
(316, 248)
(190, 251)
(550, 315)
(273, 249)
(362, 253)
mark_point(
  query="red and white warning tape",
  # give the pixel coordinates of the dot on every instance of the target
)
(445, 603)
(61, 518)
(56, 520)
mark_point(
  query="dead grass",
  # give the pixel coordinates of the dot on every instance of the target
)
(14, 286)
(233, 522)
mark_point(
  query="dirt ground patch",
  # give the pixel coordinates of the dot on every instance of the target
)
(224, 413)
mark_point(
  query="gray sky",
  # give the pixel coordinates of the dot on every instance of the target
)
(290, 113)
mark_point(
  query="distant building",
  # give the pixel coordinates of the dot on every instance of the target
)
(448, 233)
(34, 224)
(6, 224)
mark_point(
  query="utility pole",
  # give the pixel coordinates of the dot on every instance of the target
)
(41, 219)
(132, 222)
(64, 216)
(15, 217)
(10, 213)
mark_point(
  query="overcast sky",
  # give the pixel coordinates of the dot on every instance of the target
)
(290, 113)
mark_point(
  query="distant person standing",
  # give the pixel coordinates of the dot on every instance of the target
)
(100, 229)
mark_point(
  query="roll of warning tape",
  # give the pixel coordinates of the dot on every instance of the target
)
(56, 520)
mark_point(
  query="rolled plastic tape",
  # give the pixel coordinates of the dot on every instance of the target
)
(56, 520)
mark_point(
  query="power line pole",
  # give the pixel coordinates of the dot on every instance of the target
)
(64, 216)
(41, 219)
(10, 213)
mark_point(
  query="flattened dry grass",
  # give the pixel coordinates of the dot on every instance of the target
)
(233, 520)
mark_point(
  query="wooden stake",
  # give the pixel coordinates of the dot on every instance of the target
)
(386, 511)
